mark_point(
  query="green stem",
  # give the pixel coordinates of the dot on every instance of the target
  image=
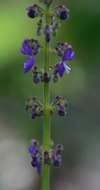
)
(46, 126)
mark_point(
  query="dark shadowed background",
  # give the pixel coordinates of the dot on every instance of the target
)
(79, 131)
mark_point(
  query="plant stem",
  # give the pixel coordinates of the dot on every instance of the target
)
(46, 126)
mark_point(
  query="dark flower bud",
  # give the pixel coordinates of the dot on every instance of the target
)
(34, 107)
(33, 11)
(47, 32)
(62, 12)
(61, 110)
(39, 28)
(56, 163)
(36, 79)
(34, 114)
(46, 77)
(46, 157)
(60, 105)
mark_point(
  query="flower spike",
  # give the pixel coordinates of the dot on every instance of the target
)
(49, 20)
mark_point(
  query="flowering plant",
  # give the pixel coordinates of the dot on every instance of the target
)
(49, 20)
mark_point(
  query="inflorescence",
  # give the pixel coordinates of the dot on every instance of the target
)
(64, 51)
(30, 48)
(51, 157)
(36, 109)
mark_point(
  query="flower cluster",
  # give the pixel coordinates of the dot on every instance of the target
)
(60, 13)
(40, 76)
(30, 47)
(51, 157)
(66, 53)
(35, 153)
(34, 106)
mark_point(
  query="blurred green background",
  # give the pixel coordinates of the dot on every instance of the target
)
(79, 131)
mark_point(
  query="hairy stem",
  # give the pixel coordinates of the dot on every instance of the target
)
(46, 126)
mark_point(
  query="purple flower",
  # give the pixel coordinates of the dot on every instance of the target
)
(29, 64)
(30, 47)
(36, 163)
(61, 68)
(26, 48)
(68, 54)
(65, 51)
(32, 150)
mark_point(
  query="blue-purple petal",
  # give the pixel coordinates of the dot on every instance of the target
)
(28, 64)
(60, 69)
(69, 54)
(26, 49)
(32, 150)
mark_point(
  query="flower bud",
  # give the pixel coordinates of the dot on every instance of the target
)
(62, 12)
(33, 11)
